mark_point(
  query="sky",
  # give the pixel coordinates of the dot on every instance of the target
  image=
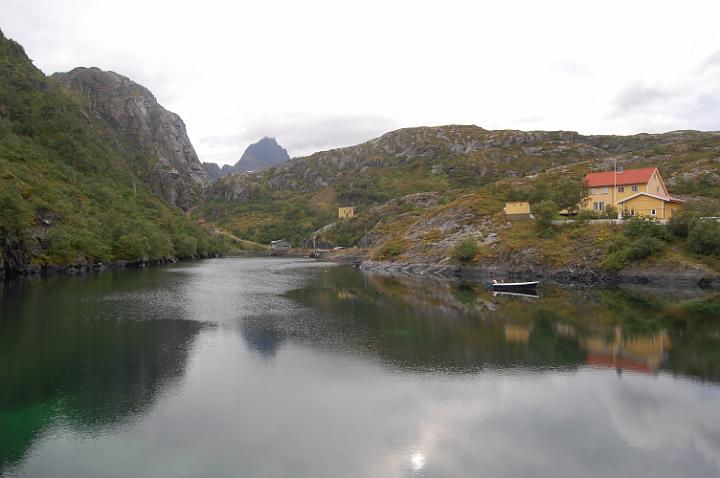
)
(323, 74)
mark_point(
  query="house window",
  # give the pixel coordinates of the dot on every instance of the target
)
(634, 188)
(632, 212)
(652, 212)
(657, 189)
(605, 190)
(593, 191)
(621, 189)
(598, 206)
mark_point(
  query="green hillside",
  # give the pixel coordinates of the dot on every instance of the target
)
(69, 191)
(298, 197)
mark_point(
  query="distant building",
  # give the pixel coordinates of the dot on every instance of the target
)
(346, 212)
(280, 244)
(517, 210)
(279, 247)
(634, 192)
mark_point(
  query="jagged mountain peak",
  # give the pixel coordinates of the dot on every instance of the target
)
(257, 157)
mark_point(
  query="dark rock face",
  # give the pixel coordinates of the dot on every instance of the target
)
(261, 155)
(132, 111)
(213, 171)
(258, 156)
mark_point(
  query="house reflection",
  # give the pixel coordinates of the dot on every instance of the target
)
(624, 352)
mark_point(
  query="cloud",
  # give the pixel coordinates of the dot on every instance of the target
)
(690, 99)
(637, 95)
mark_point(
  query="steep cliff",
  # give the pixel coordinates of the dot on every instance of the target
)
(72, 189)
(173, 170)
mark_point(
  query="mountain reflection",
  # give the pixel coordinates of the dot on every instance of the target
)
(425, 324)
(73, 349)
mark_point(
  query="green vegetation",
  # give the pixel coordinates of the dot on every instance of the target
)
(544, 212)
(640, 239)
(464, 251)
(69, 191)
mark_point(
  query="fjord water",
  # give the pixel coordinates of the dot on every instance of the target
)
(283, 367)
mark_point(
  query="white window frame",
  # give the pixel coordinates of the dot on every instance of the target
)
(634, 188)
(598, 206)
(621, 189)
(593, 191)
(605, 190)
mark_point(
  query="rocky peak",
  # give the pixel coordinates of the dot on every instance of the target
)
(257, 157)
(261, 155)
(132, 111)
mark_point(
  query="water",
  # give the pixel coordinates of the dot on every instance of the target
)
(281, 367)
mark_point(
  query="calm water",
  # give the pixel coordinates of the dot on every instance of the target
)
(279, 367)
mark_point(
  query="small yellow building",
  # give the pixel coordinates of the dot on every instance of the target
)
(346, 212)
(517, 210)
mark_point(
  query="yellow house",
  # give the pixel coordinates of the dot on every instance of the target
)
(346, 212)
(650, 205)
(634, 192)
(517, 210)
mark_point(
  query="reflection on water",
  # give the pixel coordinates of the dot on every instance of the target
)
(430, 324)
(279, 367)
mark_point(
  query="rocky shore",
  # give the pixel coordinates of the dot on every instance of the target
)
(47, 270)
(661, 276)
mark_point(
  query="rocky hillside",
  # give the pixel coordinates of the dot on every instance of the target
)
(76, 187)
(291, 199)
(147, 129)
(257, 157)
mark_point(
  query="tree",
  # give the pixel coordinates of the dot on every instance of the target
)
(544, 213)
(570, 194)
(131, 247)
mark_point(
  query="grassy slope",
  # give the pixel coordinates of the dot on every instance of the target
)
(68, 191)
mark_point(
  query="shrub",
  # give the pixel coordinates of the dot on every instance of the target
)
(544, 213)
(704, 238)
(393, 249)
(610, 212)
(464, 251)
(638, 228)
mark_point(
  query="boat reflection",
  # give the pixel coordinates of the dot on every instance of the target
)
(424, 324)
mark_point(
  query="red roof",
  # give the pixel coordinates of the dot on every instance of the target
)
(629, 176)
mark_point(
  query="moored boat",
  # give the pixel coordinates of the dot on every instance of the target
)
(522, 287)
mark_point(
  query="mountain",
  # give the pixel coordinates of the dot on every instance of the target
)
(213, 171)
(294, 198)
(257, 157)
(76, 174)
(262, 155)
(173, 170)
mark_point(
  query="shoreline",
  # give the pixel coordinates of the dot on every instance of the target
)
(658, 276)
(81, 268)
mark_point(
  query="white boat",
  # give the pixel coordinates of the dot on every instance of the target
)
(514, 286)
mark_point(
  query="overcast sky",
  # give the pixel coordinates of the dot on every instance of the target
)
(322, 74)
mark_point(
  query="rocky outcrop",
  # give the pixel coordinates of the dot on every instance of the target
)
(213, 171)
(468, 150)
(262, 155)
(257, 157)
(173, 169)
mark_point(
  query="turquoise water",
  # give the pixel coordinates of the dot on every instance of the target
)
(283, 367)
